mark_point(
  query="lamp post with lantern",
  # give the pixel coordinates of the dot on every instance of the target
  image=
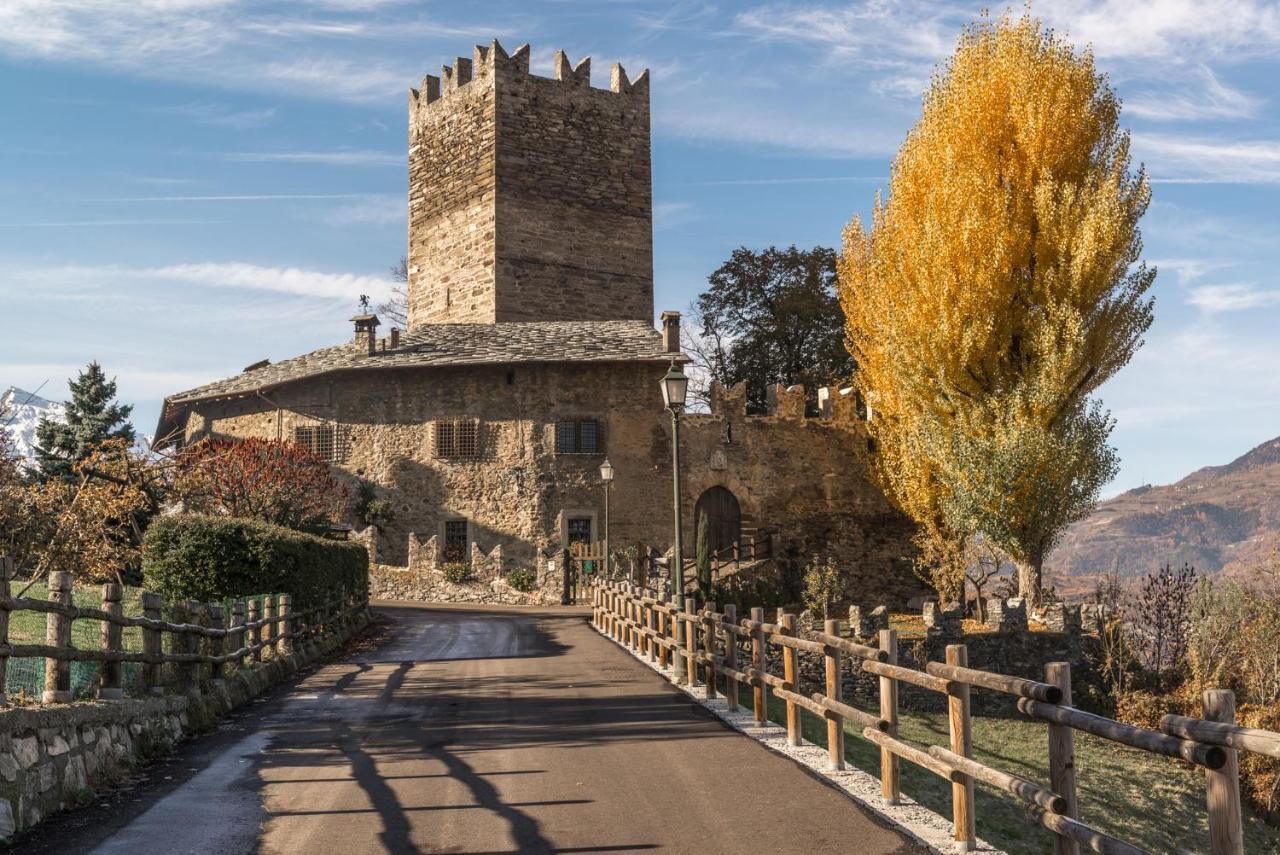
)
(606, 475)
(675, 386)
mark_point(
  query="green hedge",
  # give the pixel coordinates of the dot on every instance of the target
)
(207, 558)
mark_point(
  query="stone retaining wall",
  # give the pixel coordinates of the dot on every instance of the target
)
(399, 583)
(54, 757)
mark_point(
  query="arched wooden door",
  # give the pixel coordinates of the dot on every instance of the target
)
(724, 518)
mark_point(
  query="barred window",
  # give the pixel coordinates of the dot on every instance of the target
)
(455, 540)
(325, 440)
(578, 437)
(458, 438)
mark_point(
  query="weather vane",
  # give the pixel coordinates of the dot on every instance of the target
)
(364, 303)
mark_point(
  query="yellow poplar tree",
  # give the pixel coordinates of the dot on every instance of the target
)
(998, 287)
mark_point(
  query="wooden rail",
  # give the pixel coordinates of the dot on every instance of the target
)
(200, 643)
(716, 641)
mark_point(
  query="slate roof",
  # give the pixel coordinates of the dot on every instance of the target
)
(447, 345)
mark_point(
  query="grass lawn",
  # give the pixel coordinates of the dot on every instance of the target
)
(1142, 798)
(29, 627)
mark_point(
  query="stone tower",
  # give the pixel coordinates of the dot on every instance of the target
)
(530, 198)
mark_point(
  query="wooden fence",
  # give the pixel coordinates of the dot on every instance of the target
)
(200, 640)
(738, 651)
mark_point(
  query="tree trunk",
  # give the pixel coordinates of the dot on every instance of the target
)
(1029, 584)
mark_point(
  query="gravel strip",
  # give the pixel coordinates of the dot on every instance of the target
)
(911, 818)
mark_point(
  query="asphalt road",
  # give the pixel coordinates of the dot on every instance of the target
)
(479, 731)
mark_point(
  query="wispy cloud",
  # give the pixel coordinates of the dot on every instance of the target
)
(294, 281)
(1169, 29)
(220, 115)
(1212, 100)
(339, 157)
(234, 43)
(251, 197)
(63, 224)
(288, 280)
(1210, 160)
(369, 210)
(1232, 297)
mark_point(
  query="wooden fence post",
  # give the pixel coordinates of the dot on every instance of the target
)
(255, 632)
(962, 793)
(1222, 786)
(791, 674)
(649, 623)
(110, 686)
(285, 645)
(731, 654)
(6, 573)
(890, 769)
(270, 629)
(188, 643)
(217, 671)
(709, 648)
(237, 623)
(152, 609)
(676, 652)
(835, 721)
(1062, 756)
(759, 692)
(691, 637)
(661, 617)
(57, 672)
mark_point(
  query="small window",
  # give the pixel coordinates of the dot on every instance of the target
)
(578, 529)
(325, 440)
(458, 438)
(578, 437)
(456, 542)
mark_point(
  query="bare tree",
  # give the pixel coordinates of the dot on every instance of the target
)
(1162, 620)
(396, 307)
(708, 348)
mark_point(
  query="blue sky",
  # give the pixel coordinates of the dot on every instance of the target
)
(188, 186)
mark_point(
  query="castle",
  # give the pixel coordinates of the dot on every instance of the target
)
(531, 355)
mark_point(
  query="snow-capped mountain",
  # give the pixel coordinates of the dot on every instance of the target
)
(20, 412)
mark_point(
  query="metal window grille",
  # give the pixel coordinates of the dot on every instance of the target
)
(578, 437)
(458, 438)
(455, 540)
(587, 438)
(579, 529)
(325, 441)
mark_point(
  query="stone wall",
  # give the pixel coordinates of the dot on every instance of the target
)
(529, 198)
(451, 199)
(807, 480)
(55, 757)
(804, 484)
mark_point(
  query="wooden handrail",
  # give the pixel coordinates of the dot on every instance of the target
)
(1227, 735)
(1209, 756)
(1208, 743)
(1032, 689)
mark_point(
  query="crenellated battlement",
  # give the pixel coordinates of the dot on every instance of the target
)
(486, 61)
(791, 403)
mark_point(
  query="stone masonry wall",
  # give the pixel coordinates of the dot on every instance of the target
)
(451, 202)
(574, 197)
(529, 197)
(806, 479)
(55, 757)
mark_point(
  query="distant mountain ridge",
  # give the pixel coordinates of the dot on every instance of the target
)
(20, 413)
(1221, 519)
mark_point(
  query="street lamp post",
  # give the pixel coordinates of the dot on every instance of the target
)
(606, 475)
(675, 386)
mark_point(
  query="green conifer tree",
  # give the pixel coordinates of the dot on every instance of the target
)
(93, 415)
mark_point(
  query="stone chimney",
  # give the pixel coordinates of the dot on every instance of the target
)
(671, 331)
(366, 333)
(395, 338)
